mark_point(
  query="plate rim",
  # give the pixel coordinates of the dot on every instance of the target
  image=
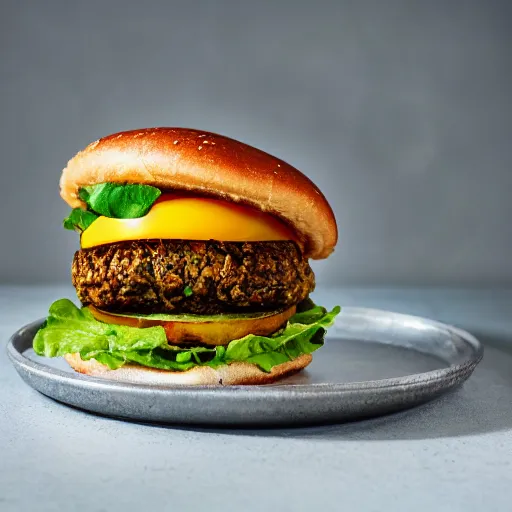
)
(467, 365)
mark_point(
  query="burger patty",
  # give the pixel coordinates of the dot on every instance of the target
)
(183, 276)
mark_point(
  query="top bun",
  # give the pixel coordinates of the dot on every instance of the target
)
(206, 163)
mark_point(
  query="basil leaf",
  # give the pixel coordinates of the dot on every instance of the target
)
(79, 220)
(119, 201)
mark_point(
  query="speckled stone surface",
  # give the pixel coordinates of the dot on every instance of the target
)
(449, 455)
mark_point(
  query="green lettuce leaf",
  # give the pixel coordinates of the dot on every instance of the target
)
(69, 329)
(79, 220)
(119, 201)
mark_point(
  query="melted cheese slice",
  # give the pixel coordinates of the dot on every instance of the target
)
(189, 218)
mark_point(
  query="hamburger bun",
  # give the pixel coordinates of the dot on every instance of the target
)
(208, 164)
(232, 374)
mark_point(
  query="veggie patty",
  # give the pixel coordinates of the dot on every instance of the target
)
(183, 276)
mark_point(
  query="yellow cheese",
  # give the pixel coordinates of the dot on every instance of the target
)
(189, 218)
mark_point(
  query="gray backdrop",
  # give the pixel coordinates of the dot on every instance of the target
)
(399, 111)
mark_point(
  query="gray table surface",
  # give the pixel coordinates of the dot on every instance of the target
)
(452, 454)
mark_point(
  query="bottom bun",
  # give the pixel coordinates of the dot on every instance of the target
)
(231, 374)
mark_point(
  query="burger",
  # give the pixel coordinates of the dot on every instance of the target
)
(193, 265)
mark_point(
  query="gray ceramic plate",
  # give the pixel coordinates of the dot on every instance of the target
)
(374, 362)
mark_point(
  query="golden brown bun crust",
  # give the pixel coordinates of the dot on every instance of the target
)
(193, 160)
(228, 375)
